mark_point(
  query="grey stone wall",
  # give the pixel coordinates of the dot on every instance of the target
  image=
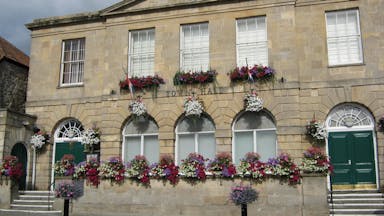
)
(13, 85)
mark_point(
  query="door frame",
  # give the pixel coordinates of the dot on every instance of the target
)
(356, 129)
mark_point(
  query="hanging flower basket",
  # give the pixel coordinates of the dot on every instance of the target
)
(316, 130)
(380, 124)
(257, 73)
(137, 107)
(252, 102)
(90, 139)
(38, 140)
(182, 78)
(192, 106)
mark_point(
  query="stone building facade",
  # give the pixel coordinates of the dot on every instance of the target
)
(310, 80)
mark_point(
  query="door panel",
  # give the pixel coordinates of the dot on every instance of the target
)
(74, 148)
(352, 155)
(20, 152)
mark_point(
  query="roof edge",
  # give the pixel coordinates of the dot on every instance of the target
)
(65, 20)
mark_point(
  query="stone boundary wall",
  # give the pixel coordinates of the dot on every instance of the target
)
(204, 198)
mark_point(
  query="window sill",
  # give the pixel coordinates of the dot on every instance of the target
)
(346, 65)
(71, 86)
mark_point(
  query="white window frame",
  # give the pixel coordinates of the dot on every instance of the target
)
(142, 138)
(78, 75)
(345, 37)
(202, 49)
(196, 136)
(240, 44)
(141, 54)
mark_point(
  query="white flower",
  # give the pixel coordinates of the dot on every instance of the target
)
(37, 141)
(90, 137)
(138, 107)
(192, 107)
(320, 133)
(253, 102)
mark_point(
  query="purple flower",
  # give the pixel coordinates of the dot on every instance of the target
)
(167, 171)
(273, 161)
(225, 172)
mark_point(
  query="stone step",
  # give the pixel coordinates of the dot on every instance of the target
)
(357, 214)
(354, 191)
(356, 195)
(33, 202)
(32, 207)
(36, 197)
(357, 200)
(357, 206)
(16, 212)
(357, 211)
(41, 193)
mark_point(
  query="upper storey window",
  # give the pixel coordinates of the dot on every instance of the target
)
(141, 53)
(251, 41)
(343, 37)
(194, 47)
(72, 62)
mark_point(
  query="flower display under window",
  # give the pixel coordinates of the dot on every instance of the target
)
(39, 139)
(253, 102)
(166, 168)
(242, 195)
(222, 166)
(182, 77)
(137, 107)
(67, 190)
(66, 166)
(257, 73)
(90, 138)
(283, 167)
(251, 167)
(316, 130)
(140, 83)
(10, 167)
(112, 169)
(88, 170)
(193, 166)
(315, 161)
(192, 106)
(138, 169)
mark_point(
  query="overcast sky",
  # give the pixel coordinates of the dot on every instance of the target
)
(14, 14)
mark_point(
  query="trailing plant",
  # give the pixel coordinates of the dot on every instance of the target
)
(137, 107)
(66, 166)
(112, 169)
(39, 139)
(193, 166)
(284, 168)
(140, 83)
(166, 168)
(88, 170)
(192, 106)
(222, 166)
(11, 168)
(90, 138)
(138, 169)
(315, 161)
(316, 130)
(252, 167)
(252, 102)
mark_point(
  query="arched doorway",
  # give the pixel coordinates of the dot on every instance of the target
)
(20, 152)
(352, 147)
(68, 141)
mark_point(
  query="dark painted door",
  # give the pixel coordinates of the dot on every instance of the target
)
(352, 155)
(74, 148)
(20, 152)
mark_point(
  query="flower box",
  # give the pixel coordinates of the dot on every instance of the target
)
(140, 83)
(183, 78)
(257, 73)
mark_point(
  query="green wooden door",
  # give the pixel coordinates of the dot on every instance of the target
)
(20, 152)
(352, 155)
(74, 148)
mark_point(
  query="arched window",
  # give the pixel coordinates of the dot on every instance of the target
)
(141, 138)
(195, 135)
(254, 132)
(349, 115)
(69, 130)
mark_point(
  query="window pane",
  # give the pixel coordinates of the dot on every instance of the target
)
(207, 145)
(251, 120)
(73, 61)
(132, 147)
(151, 149)
(266, 144)
(186, 145)
(243, 144)
(195, 125)
(141, 127)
